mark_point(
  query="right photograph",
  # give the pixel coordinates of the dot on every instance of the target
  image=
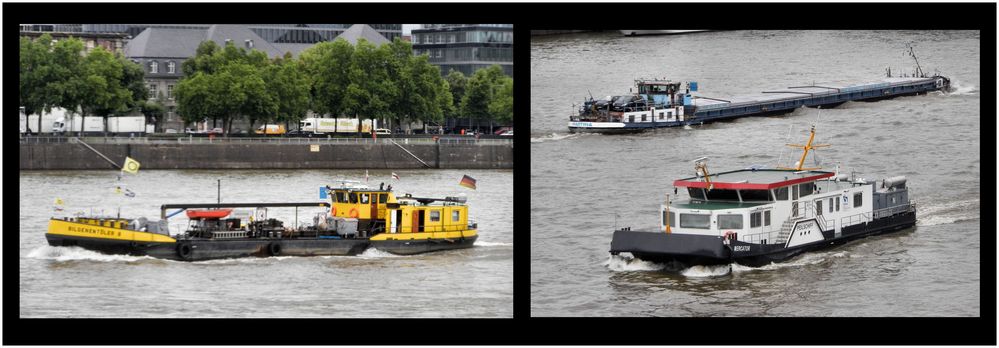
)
(790, 173)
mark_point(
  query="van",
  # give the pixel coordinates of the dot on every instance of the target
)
(381, 131)
(271, 129)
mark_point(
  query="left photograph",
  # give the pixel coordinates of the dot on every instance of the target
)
(266, 170)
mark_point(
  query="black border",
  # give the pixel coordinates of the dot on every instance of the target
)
(522, 329)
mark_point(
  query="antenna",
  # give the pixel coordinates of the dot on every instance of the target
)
(780, 158)
(919, 70)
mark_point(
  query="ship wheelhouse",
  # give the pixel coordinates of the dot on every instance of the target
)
(759, 205)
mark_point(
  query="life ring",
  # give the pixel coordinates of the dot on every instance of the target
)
(353, 213)
(185, 251)
(333, 212)
(274, 249)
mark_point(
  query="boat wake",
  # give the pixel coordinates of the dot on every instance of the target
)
(958, 89)
(625, 262)
(804, 260)
(554, 137)
(73, 253)
(948, 212)
(707, 271)
(373, 253)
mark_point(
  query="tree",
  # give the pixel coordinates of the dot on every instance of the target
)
(68, 84)
(482, 89)
(289, 89)
(456, 82)
(421, 92)
(35, 76)
(199, 97)
(370, 89)
(327, 66)
(203, 61)
(501, 106)
(103, 92)
(152, 109)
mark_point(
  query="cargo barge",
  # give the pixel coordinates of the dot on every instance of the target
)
(754, 217)
(354, 218)
(662, 103)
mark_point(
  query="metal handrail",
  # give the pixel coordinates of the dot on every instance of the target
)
(241, 140)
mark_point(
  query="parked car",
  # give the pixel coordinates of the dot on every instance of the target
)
(298, 133)
(382, 131)
(508, 133)
(215, 130)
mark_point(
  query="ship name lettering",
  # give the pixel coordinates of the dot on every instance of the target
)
(740, 248)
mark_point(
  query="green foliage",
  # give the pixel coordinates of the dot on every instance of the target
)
(327, 67)
(488, 96)
(456, 86)
(289, 86)
(370, 89)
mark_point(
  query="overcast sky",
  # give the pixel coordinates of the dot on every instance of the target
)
(406, 28)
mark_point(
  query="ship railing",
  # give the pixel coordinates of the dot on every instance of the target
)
(768, 235)
(444, 140)
(899, 209)
(228, 234)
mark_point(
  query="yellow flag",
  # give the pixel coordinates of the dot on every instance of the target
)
(59, 201)
(131, 165)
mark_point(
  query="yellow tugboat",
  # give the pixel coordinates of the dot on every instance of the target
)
(358, 217)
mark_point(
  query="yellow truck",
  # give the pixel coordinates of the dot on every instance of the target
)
(271, 129)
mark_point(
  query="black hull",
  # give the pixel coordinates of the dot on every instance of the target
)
(690, 250)
(211, 249)
(410, 247)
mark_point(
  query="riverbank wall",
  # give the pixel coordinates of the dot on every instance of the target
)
(369, 154)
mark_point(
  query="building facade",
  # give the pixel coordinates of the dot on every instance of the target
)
(113, 42)
(466, 47)
(162, 49)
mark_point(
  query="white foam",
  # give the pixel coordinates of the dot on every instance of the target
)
(554, 137)
(948, 212)
(491, 244)
(374, 253)
(707, 271)
(958, 89)
(625, 262)
(803, 260)
(73, 253)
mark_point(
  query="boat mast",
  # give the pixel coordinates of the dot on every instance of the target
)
(801, 163)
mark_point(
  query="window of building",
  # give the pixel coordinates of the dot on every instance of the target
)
(90, 44)
(170, 92)
(153, 67)
(171, 68)
(702, 221)
(730, 221)
(754, 220)
(455, 216)
(435, 215)
(152, 91)
(858, 199)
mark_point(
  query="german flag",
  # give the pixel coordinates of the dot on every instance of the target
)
(468, 182)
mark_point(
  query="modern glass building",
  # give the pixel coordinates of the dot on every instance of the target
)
(466, 47)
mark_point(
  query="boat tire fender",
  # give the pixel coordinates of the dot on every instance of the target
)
(353, 213)
(729, 235)
(333, 212)
(185, 251)
(274, 249)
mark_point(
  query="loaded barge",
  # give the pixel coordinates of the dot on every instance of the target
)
(757, 216)
(355, 218)
(662, 103)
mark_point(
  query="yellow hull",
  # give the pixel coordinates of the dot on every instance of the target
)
(81, 230)
(424, 235)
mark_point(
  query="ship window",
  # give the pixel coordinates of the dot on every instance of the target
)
(435, 215)
(831, 204)
(818, 206)
(754, 220)
(858, 199)
(353, 198)
(755, 195)
(695, 192)
(730, 221)
(806, 189)
(794, 192)
(766, 218)
(671, 218)
(794, 209)
(383, 198)
(781, 193)
(837, 205)
(702, 221)
(723, 195)
(643, 117)
(340, 197)
(364, 198)
(660, 115)
(455, 216)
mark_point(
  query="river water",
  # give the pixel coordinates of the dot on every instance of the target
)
(583, 186)
(72, 282)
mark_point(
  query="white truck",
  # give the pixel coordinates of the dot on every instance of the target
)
(319, 125)
(122, 124)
